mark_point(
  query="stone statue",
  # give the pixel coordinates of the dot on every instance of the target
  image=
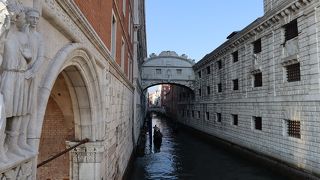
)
(37, 53)
(16, 57)
(3, 157)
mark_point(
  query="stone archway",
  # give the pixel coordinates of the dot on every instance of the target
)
(72, 87)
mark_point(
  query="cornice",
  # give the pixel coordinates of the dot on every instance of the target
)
(258, 26)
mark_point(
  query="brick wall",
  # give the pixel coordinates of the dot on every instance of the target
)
(53, 136)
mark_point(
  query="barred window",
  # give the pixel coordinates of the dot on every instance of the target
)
(219, 118)
(291, 30)
(219, 87)
(235, 119)
(179, 71)
(219, 63)
(257, 123)
(257, 46)
(208, 69)
(293, 128)
(158, 71)
(235, 56)
(235, 84)
(293, 72)
(257, 80)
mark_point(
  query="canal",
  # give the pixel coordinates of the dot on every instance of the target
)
(184, 156)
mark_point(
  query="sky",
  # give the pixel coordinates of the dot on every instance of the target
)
(196, 27)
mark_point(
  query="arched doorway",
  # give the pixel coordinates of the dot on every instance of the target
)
(58, 127)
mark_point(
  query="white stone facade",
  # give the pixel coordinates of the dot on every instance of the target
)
(277, 100)
(102, 96)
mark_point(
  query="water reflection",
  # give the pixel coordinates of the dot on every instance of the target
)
(182, 156)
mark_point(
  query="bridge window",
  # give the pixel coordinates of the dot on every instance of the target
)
(235, 56)
(219, 64)
(200, 92)
(293, 128)
(199, 74)
(257, 46)
(219, 87)
(219, 117)
(158, 71)
(235, 119)
(235, 83)
(257, 123)
(208, 90)
(257, 79)
(291, 30)
(179, 71)
(207, 116)
(293, 72)
(208, 70)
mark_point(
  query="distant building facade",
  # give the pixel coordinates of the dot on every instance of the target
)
(82, 62)
(260, 89)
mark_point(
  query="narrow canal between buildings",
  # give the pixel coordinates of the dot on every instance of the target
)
(184, 156)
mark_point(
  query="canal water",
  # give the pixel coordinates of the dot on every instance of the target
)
(186, 157)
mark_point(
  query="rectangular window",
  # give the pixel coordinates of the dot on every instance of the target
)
(113, 36)
(235, 56)
(124, 6)
(219, 64)
(207, 116)
(257, 80)
(200, 92)
(291, 30)
(235, 119)
(257, 123)
(219, 87)
(198, 114)
(208, 70)
(122, 53)
(199, 74)
(158, 71)
(219, 118)
(257, 46)
(235, 83)
(179, 71)
(293, 128)
(208, 90)
(293, 72)
(192, 112)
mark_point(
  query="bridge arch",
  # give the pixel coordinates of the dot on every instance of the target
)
(168, 68)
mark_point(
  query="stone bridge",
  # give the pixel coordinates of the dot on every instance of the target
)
(168, 68)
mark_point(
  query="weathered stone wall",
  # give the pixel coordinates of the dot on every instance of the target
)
(276, 101)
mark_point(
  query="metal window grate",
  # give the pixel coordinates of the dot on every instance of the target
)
(219, 117)
(258, 80)
(219, 87)
(294, 128)
(293, 72)
(258, 123)
(208, 70)
(235, 119)
(235, 84)
(235, 56)
(257, 46)
(291, 30)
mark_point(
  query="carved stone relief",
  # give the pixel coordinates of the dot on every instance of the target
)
(21, 55)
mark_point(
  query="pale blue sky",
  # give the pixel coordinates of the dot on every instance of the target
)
(196, 27)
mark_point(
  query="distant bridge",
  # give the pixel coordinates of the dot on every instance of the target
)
(167, 68)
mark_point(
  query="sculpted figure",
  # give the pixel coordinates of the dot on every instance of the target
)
(13, 86)
(37, 53)
(3, 157)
